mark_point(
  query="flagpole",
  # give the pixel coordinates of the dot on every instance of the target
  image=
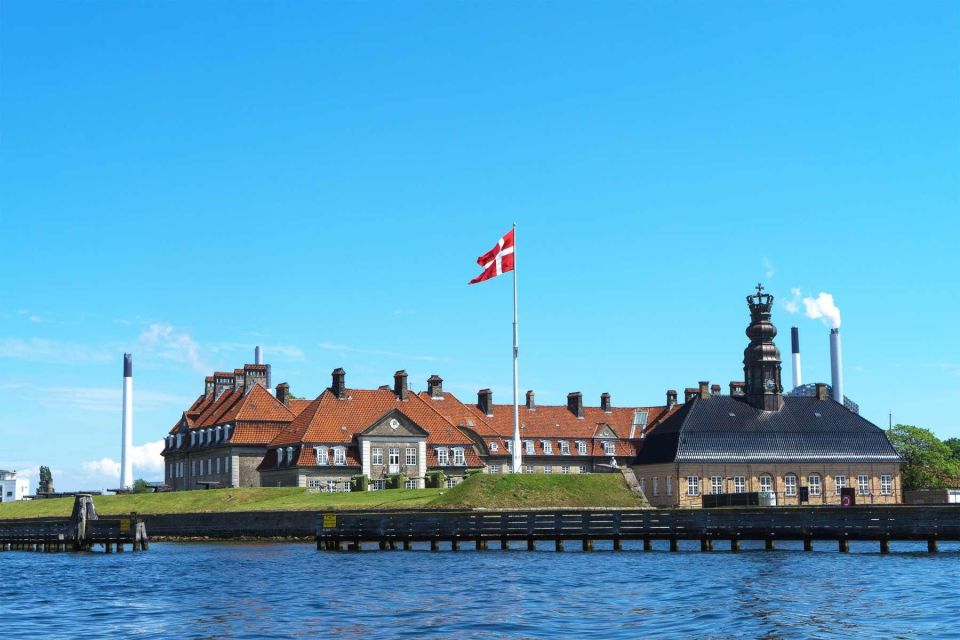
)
(517, 456)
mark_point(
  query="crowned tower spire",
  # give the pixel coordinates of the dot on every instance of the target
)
(761, 358)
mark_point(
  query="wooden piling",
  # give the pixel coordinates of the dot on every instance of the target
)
(705, 544)
(884, 546)
(808, 544)
(768, 544)
(434, 544)
(587, 544)
(647, 544)
(455, 545)
(735, 545)
(932, 545)
(531, 544)
(407, 545)
(617, 544)
(504, 543)
(559, 545)
(481, 544)
(843, 545)
(674, 544)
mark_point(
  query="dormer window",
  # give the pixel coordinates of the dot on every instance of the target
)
(279, 456)
(528, 447)
(339, 456)
(510, 446)
(494, 447)
(323, 455)
(581, 448)
(193, 438)
(290, 455)
(565, 447)
(547, 447)
(443, 457)
(219, 434)
(227, 431)
(459, 460)
(609, 448)
(179, 440)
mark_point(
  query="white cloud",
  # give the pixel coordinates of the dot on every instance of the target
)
(793, 304)
(103, 467)
(287, 351)
(102, 399)
(146, 460)
(172, 344)
(768, 269)
(54, 351)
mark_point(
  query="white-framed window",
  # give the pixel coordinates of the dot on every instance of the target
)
(716, 484)
(494, 468)
(739, 484)
(323, 455)
(547, 447)
(581, 448)
(548, 468)
(219, 434)
(209, 466)
(339, 456)
(643, 484)
(814, 484)
(226, 463)
(279, 456)
(510, 446)
(193, 438)
(290, 459)
(443, 456)
(333, 486)
(693, 485)
(377, 485)
(450, 483)
(839, 482)
(564, 447)
(656, 486)
(314, 483)
(528, 447)
(459, 459)
(766, 484)
(668, 485)
(609, 448)
(583, 468)
(790, 485)
(218, 464)
(565, 469)
(410, 456)
(863, 485)
(529, 468)
(376, 455)
(410, 484)
(886, 484)
(393, 456)
(493, 446)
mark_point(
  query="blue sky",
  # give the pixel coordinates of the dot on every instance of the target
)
(185, 180)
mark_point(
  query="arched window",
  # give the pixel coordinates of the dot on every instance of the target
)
(289, 455)
(279, 456)
(790, 485)
(815, 484)
(766, 483)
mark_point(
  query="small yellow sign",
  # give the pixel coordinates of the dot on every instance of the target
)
(329, 521)
(124, 524)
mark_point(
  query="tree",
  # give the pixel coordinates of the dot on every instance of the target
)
(954, 444)
(928, 463)
(46, 481)
(140, 486)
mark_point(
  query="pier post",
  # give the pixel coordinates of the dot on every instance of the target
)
(674, 544)
(434, 544)
(768, 544)
(647, 544)
(119, 547)
(504, 543)
(587, 544)
(559, 546)
(706, 544)
(884, 546)
(932, 545)
(383, 545)
(393, 545)
(808, 544)
(531, 544)
(617, 544)
(844, 545)
(455, 545)
(481, 544)
(108, 548)
(735, 545)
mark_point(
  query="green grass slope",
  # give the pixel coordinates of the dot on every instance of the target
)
(540, 491)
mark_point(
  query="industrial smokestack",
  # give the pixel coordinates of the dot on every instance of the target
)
(836, 365)
(257, 355)
(795, 342)
(126, 461)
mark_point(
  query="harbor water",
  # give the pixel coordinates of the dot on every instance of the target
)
(291, 590)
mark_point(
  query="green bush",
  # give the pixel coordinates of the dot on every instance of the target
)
(435, 479)
(472, 472)
(396, 480)
(359, 483)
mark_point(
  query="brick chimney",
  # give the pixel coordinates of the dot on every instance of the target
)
(704, 390)
(400, 384)
(254, 373)
(714, 389)
(531, 401)
(822, 393)
(737, 388)
(575, 403)
(208, 386)
(605, 402)
(283, 393)
(222, 381)
(338, 385)
(671, 398)
(239, 378)
(485, 401)
(690, 393)
(435, 386)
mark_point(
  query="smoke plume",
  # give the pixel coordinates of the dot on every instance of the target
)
(822, 307)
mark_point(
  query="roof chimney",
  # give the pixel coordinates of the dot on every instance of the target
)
(575, 403)
(283, 392)
(269, 377)
(714, 389)
(605, 402)
(485, 401)
(338, 385)
(257, 355)
(435, 386)
(400, 384)
(704, 390)
(671, 398)
(822, 391)
(208, 386)
(737, 388)
(531, 401)
(222, 381)
(690, 393)
(239, 379)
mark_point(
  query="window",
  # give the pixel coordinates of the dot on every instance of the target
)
(863, 485)
(668, 485)
(279, 456)
(443, 457)
(739, 484)
(459, 459)
(528, 447)
(790, 485)
(583, 468)
(693, 486)
(643, 485)
(609, 448)
(377, 485)
(290, 459)
(209, 466)
(376, 455)
(410, 456)
(218, 465)
(494, 468)
(565, 469)
(339, 455)
(529, 468)
(314, 483)
(332, 486)
(640, 420)
(548, 468)
(581, 447)
(494, 447)
(886, 485)
(656, 486)
(219, 434)
(564, 447)
(510, 446)
(451, 483)
(813, 481)
(226, 463)
(716, 484)
(766, 484)
(410, 484)
(323, 455)
(840, 482)
(393, 456)
(547, 447)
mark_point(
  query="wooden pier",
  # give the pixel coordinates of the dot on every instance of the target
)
(838, 525)
(83, 531)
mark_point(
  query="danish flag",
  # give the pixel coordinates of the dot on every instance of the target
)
(498, 260)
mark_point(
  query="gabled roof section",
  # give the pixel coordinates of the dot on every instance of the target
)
(556, 422)
(394, 422)
(258, 405)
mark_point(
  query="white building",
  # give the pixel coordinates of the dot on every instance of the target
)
(11, 487)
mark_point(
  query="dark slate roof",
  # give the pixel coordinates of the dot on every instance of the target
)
(728, 429)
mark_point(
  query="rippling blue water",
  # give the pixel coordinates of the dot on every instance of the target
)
(214, 590)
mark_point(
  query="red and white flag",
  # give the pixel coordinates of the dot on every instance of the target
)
(498, 260)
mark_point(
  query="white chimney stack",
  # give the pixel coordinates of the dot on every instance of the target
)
(126, 460)
(257, 355)
(795, 344)
(836, 365)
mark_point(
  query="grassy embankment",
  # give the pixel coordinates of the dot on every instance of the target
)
(480, 491)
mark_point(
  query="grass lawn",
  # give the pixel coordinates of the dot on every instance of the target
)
(481, 490)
